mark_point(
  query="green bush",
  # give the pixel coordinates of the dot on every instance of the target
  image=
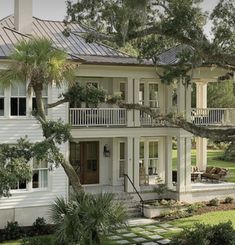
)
(40, 240)
(229, 200)
(214, 202)
(13, 231)
(194, 207)
(201, 234)
(39, 227)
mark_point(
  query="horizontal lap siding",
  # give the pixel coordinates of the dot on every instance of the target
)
(13, 129)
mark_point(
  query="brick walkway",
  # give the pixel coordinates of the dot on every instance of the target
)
(143, 231)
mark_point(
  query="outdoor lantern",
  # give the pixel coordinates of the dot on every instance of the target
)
(106, 151)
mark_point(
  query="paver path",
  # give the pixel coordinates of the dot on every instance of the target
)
(142, 231)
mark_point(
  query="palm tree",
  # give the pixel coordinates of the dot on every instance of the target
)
(40, 64)
(86, 218)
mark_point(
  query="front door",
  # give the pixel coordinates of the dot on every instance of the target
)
(84, 156)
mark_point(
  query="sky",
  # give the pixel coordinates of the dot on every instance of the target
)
(56, 9)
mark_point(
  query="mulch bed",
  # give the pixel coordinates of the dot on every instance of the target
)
(222, 207)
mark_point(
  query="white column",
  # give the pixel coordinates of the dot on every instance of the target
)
(161, 159)
(168, 153)
(188, 148)
(136, 101)
(129, 164)
(180, 165)
(188, 95)
(181, 98)
(161, 93)
(201, 143)
(168, 98)
(146, 156)
(183, 164)
(136, 159)
(115, 167)
(129, 99)
(7, 103)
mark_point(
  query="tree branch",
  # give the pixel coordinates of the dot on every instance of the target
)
(59, 102)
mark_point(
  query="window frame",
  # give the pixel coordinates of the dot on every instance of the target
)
(3, 96)
(121, 160)
(18, 97)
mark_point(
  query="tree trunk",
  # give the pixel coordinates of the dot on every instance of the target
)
(73, 177)
(39, 102)
(68, 168)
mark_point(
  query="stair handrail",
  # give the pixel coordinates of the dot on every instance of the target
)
(137, 192)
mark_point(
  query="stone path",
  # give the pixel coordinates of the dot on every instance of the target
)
(142, 231)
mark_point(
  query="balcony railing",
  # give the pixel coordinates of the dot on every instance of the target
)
(213, 116)
(97, 117)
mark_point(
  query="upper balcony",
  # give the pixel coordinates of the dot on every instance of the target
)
(118, 117)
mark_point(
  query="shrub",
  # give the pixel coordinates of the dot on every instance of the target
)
(194, 207)
(201, 234)
(13, 231)
(229, 200)
(214, 202)
(40, 240)
(39, 227)
(174, 214)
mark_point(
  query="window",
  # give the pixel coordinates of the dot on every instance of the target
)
(141, 155)
(122, 88)
(40, 174)
(18, 99)
(19, 185)
(1, 101)
(141, 94)
(44, 98)
(122, 159)
(153, 95)
(153, 157)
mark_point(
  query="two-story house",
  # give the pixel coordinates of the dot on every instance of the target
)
(107, 142)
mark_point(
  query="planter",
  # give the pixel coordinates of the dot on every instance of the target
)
(151, 211)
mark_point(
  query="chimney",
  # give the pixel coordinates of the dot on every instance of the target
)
(23, 16)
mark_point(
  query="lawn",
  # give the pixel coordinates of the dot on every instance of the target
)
(211, 218)
(212, 160)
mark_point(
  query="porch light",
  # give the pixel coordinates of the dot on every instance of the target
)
(106, 151)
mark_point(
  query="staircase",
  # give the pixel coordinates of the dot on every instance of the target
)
(133, 207)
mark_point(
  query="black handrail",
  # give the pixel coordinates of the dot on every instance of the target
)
(141, 199)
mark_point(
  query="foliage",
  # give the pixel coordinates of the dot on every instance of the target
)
(39, 227)
(14, 165)
(40, 240)
(161, 189)
(13, 231)
(229, 153)
(154, 26)
(229, 200)
(174, 213)
(89, 94)
(214, 202)
(192, 208)
(86, 217)
(201, 234)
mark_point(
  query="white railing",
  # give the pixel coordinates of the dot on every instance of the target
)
(213, 116)
(97, 116)
(147, 120)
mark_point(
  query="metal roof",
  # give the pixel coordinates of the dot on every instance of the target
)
(75, 45)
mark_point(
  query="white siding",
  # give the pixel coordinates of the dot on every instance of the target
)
(13, 129)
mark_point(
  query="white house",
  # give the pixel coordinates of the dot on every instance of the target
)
(108, 142)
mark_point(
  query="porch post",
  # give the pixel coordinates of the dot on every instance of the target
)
(201, 143)
(180, 165)
(136, 159)
(161, 161)
(129, 164)
(168, 153)
(181, 98)
(146, 155)
(168, 98)
(184, 168)
(136, 101)
(115, 167)
(129, 99)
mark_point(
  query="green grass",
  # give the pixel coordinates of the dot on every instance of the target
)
(211, 218)
(212, 160)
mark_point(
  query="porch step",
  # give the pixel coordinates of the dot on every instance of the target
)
(131, 206)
